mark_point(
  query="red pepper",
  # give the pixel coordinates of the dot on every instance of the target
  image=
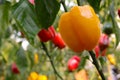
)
(73, 63)
(103, 42)
(97, 51)
(51, 29)
(119, 13)
(76, 57)
(15, 69)
(58, 41)
(32, 2)
(44, 35)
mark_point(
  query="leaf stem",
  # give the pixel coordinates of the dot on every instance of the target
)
(64, 6)
(95, 62)
(51, 61)
(78, 2)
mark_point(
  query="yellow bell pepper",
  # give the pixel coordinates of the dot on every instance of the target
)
(80, 28)
(33, 76)
(36, 76)
(111, 59)
(42, 77)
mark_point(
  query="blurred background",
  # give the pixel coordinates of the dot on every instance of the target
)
(21, 52)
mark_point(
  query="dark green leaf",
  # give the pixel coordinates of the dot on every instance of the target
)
(2, 1)
(102, 60)
(4, 16)
(107, 28)
(26, 20)
(116, 29)
(46, 11)
(95, 4)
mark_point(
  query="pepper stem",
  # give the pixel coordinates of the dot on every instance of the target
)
(95, 62)
(51, 61)
(78, 2)
(64, 6)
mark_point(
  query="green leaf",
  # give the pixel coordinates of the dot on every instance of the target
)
(116, 29)
(26, 20)
(21, 60)
(95, 4)
(2, 1)
(46, 11)
(4, 17)
(102, 60)
(83, 62)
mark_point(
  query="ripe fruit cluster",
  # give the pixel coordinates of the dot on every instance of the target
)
(50, 34)
(100, 49)
(73, 63)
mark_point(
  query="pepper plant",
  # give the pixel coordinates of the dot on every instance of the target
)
(39, 38)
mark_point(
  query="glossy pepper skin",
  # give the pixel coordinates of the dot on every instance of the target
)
(73, 63)
(58, 41)
(46, 34)
(80, 28)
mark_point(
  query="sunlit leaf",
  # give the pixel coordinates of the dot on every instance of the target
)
(26, 20)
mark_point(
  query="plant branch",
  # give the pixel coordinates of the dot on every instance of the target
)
(95, 62)
(64, 6)
(78, 2)
(51, 61)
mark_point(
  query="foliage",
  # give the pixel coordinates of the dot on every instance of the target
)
(20, 21)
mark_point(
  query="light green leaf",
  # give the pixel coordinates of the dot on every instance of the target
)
(26, 20)
(116, 29)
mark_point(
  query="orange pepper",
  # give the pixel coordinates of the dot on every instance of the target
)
(80, 28)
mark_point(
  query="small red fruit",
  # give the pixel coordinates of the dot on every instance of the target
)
(76, 58)
(103, 52)
(15, 69)
(119, 13)
(73, 63)
(97, 51)
(103, 42)
(44, 35)
(51, 29)
(57, 40)
(31, 1)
